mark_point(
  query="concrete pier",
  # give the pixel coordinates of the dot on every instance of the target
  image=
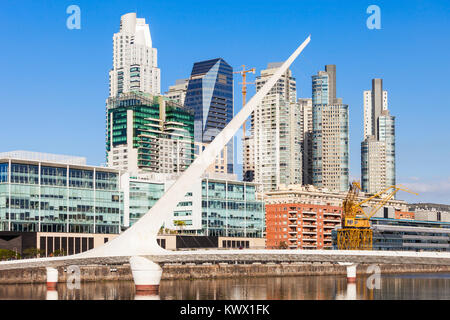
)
(52, 278)
(146, 274)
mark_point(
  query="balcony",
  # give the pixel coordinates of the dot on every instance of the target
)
(313, 239)
(329, 226)
(309, 232)
(309, 218)
(292, 225)
(292, 218)
(292, 231)
(309, 225)
(331, 220)
(333, 214)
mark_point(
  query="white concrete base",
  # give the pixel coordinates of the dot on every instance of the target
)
(52, 278)
(351, 273)
(146, 274)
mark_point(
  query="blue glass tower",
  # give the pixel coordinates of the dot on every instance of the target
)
(210, 95)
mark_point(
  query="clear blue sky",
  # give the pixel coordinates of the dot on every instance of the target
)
(54, 80)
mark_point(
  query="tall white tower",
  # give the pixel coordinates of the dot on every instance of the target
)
(276, 133)
(134, 59)
(378, 146)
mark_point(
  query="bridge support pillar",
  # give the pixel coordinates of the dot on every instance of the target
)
(52, 278)
(146, 275)
(351, 273)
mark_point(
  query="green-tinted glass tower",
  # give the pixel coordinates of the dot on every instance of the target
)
(149, 133)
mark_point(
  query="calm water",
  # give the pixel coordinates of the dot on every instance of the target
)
(404, 286)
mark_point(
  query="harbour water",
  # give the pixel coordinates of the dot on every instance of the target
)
(434, 286)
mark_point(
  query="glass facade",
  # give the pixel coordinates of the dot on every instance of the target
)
(386, 127)
(225, 208)
(408, 235)
(162, 131)
(143, 196)
(320, 92)
(37, 197)
(231, 209)
(210, 95)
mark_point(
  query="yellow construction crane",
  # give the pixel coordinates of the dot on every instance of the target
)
(355, 232)
(244, 72)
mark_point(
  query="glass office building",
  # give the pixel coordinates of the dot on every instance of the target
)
(40, 196)
(213, 207)
(408, 235)
(210, 95)
(230, 208)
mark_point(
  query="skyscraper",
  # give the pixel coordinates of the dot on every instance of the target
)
(210, 95)
(149, 133)
(378, 147)
(305, 105)
(144, 131)
(178, 91)
(134, 59)
(330, 149)
(276, 133)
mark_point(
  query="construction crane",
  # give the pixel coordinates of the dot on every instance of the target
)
(355, 232)
(244, 72)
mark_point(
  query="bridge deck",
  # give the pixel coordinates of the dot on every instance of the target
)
(247, 256)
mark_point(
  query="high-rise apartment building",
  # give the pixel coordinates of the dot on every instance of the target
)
(149, 133)
(305, 105)
(178, 91)
(134, 59)
(248, 159)
(210, 95)
(330, 149)
(276, 133)
(378, 147)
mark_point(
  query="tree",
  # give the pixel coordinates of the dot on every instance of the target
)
(6, 254)
(33, 252)
(58, 253)
(180, 224)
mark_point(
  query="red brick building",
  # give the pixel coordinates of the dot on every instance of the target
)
(300, 226)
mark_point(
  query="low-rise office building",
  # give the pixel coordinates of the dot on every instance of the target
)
(187, 242)
(215, 205)
(411, 235)
(407, 235)
(53, 202)
(58, 195)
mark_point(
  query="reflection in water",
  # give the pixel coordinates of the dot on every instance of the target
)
(411, 286)
(52, 295)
